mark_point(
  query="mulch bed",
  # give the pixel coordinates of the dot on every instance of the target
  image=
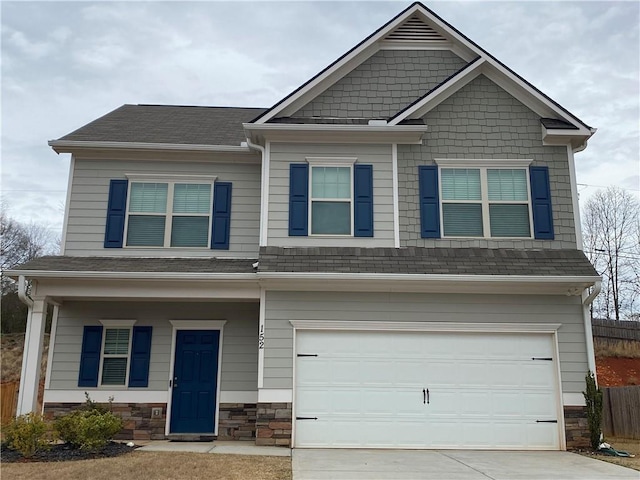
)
(64, 452)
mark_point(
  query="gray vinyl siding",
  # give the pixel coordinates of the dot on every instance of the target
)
(383, 84)
(282, 155)
(89, 197)
(239, 347)
(482, 121)
(281, 307)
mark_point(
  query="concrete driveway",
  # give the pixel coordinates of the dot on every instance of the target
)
(322, 464)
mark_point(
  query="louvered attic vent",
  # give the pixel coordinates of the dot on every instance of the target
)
(415, 30)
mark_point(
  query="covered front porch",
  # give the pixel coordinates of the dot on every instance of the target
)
(176, 353)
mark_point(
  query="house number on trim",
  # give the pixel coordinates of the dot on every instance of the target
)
(261, 338)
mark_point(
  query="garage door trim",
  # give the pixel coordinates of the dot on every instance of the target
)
(550, 328)
(426, 326)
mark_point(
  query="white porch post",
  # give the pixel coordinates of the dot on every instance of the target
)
(32, 357)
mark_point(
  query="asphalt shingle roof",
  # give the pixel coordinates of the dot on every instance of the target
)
(433, 261)
(169, 124)
(554, 124)
(445, 261)
(138, 265)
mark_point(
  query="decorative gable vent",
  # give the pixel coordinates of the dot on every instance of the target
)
(415, 30)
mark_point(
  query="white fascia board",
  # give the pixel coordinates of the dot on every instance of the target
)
(132, 275)
(440, 94)
(69, 146)
(335, 133)
(418, 277)
(454, 34)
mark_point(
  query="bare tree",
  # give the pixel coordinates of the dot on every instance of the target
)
(19, 243)
(611, 235)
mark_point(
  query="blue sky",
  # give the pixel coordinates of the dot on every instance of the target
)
(67, 63)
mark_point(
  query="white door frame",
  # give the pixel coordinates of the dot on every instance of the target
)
(194, 325)
(523, 328)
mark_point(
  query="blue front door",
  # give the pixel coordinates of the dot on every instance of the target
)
(195, 378)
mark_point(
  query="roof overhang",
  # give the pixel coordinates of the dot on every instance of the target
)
(63, 285)
(334, 133)
(561, 136)
(73, 146)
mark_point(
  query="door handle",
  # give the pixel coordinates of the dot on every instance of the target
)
(424, 396)
(427, 396)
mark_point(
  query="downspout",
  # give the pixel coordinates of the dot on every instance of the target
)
(22, 291)
(263, 191)
(588, 332)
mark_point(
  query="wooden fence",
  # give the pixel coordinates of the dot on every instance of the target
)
(622, 330)
(8, 400)
(621, 411)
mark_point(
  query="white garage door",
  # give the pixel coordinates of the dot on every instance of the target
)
(425, 390)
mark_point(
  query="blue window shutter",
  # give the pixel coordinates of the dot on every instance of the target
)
(116, 209)
(90, 356)
(298, 199)
(140, 355)
(363, 200)
(221, 223)
(429, 201)
(541, 203)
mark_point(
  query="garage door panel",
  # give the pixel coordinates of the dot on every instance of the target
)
(366, 389)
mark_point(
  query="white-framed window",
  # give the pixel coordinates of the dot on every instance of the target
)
(488, 201)
(171, 211)
(115, 354)
(331, 196)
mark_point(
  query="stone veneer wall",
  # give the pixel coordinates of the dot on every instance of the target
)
(237, 421)
(576, 427)
(138, 424)
(273, 424)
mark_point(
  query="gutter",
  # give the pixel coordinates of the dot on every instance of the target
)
(323, 127)
(67, 146)
(415, 277)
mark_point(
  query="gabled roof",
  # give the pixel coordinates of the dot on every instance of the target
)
(434, 29)
(167, 124)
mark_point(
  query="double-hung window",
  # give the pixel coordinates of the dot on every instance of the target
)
(331, 200)
(116, 350)
(488, 201)
(173, 213)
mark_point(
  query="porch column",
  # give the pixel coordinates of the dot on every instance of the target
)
(32, 357)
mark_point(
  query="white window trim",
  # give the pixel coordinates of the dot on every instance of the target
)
(118, 324)
(340, 162)
(171, 181)
(483, 166)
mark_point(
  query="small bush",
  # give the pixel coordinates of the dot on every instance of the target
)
(88, 428)
(29, 434)
(593, 400)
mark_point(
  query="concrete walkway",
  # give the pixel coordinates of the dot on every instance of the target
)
(227, 448)
(323, 464)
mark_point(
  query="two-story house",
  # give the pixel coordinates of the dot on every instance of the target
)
(390, 256)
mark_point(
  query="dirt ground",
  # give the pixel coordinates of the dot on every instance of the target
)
(618, 371)
(157, 466)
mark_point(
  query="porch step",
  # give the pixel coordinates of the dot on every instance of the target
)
(190, 437)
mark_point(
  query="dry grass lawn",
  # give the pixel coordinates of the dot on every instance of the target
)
(156, 466)
(618, 348)
(627, 445)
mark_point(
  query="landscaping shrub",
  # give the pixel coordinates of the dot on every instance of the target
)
(90, 427)
(593, 400)
(28, 434)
